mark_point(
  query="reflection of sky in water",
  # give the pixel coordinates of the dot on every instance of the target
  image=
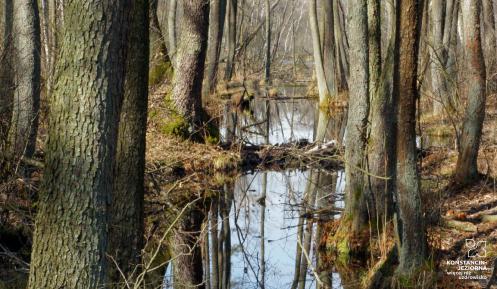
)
(284, 194)
(283, 191)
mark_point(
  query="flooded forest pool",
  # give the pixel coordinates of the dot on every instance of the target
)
(265, 229)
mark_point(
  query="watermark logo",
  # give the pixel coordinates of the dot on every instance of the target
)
(472, 265)
(476, 248)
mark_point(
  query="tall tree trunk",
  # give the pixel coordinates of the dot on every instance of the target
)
(380, 146)
(216, 30)
(355, 217)
(126, 210)
(45, 29)
(171, 30)
(474, 87)
(342, 47)
(70, 241)
(187, 97)
(267, 66)
(412, 251)
(231, 43)
(329, 51)
(6, 71)
(55, 16)
(324, 93)
(26, 102)
(490, 45)
(157, 35)
(438, 55)
(190, 63)
(451, 44)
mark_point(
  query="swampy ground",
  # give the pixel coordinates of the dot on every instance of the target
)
(276, 212)
(272, 198)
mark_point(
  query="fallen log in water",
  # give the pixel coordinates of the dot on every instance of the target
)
(297, 155)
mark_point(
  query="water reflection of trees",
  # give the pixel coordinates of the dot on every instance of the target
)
(307, 201)
(288, 121)
(263, 229)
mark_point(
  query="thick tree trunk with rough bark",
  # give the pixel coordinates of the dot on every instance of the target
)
(126, 210)
(71, 236)
(27, 67)
(474, 87)
(324, 93)
(381, 148)
(355, 216)
(412, 251)
(191, 59)
(216, 30)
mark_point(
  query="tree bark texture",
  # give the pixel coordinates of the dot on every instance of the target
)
(191, 55)
(490, 45)
(27, 67)
(318, 55)
(70, 240)
(412, 251)
(474, 89)
(171, 26)
(158, 37)
(267, 64)
(329, 51)
(355, 140)
(231, 41)
(216, 30)
(6, 71)
(342, 46)
(380, 145)
(438, 56)
(126, 212)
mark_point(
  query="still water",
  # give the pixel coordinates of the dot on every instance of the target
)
(266, 229)
(287, 119)
(268, 223)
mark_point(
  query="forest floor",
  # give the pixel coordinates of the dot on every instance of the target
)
(462, 222)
